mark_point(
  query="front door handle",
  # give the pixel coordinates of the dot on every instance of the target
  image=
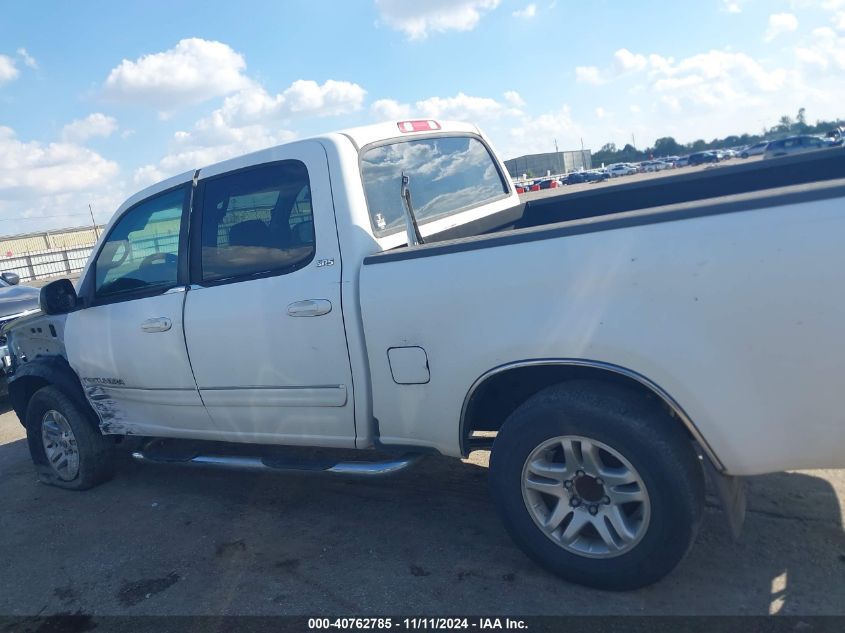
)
(310, 307)
(160, 324)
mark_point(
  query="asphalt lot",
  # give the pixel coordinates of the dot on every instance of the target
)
(171, 540)
(589, 186)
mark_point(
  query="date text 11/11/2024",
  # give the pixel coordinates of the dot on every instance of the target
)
(433, 624)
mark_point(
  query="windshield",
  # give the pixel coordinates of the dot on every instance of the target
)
(447, 175)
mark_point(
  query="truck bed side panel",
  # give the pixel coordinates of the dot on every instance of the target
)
(738, 316)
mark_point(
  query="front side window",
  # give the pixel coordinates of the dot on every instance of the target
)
(257, 221)
(447, 175)
(141, 254)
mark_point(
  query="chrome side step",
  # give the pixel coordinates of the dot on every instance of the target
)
(267, 464)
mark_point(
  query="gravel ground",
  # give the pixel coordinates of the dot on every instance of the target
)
(171, 540)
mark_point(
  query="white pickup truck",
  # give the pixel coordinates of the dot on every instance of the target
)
(384, 288)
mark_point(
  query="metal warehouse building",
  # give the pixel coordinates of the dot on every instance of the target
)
(535, 165)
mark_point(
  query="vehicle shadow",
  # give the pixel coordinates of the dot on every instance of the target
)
(178, 540)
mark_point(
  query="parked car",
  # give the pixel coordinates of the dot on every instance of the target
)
(575, 178)
(700, 158)
(551, 183)
(754, 150)
(15, 301)
(682, 161)
(596, 175)
(348, 292)
(655, 165)
(794, 145)
(621, 169)
(836, 136)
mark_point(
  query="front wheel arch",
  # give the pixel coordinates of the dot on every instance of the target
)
(40, 372)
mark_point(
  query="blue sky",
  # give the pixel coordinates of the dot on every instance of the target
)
(98, 99)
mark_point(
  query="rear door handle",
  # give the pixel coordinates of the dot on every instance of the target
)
(310, 307)
(159, 324)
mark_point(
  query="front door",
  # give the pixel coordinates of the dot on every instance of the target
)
(263, 317)
(128, 346)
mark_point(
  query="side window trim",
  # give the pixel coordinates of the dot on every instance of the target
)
(88, 285)
(195, 279)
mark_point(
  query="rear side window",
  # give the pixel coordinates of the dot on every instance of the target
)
(141, 254)
(447, 175)
(257, 221)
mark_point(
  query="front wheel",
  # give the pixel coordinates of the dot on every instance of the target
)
(598, 485)
(65, 444)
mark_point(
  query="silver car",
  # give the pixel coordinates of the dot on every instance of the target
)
(793, 145)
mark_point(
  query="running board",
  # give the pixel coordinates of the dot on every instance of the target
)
(267, 464)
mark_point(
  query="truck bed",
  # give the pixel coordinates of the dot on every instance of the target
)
(721, 181)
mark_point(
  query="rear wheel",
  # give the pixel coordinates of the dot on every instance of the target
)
(66, 446)
(598, 484)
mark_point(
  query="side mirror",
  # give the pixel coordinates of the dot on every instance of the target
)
(11, 278)
(58, 297)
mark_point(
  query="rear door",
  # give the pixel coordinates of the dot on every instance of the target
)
(263, 318)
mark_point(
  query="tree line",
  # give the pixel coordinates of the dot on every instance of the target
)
(668, 146)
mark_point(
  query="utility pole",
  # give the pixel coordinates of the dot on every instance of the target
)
(557, 162)
(633, 141)
(93, 222)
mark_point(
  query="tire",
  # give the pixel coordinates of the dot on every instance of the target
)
(745, 155)
(623, 427)
(58, 425)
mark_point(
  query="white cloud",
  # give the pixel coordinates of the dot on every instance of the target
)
(626, 61)
(96, 124)
(461, 107)
(527, 12)
(538, 134)
(250, 120)
(780, 23)
(302, 97)
(417, 19)
(193, 71)
(716, 92)
(824, 52)
(589, 75)
(390, 110)
(514, 98)
(52, 183)
(28, 60)
(210, 141)
(732, 6)
(8, 70)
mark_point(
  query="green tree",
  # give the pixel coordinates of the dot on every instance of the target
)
(801, 121)
(667, 146)
(785, 124)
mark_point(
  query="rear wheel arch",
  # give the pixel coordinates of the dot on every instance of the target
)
(500, 391)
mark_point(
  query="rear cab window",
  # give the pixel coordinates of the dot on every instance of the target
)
(448, 175)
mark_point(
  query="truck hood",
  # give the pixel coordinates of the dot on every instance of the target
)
(17, 299)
